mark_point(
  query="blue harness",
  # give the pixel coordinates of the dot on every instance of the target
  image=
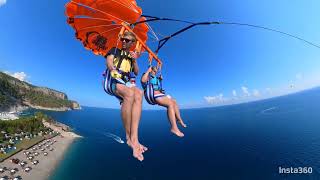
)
(108, 82)
(149, 87)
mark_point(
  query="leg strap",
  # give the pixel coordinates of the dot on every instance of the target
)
(108, 82)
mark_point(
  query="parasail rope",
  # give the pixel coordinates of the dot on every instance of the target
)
(165, 39)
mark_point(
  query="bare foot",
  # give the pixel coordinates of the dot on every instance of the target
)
(177, 132)
(136, 152)
(142, 147)
(182, 123)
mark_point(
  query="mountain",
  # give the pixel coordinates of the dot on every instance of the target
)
(16, 94)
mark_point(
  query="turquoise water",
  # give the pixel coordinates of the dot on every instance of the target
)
(246, 141)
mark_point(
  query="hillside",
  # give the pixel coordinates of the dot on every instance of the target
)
(16, 94)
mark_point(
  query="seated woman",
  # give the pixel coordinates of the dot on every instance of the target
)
(149, 78)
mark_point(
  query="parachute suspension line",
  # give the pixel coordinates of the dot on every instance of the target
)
(129, 7)
(160, 69)
(150, 60)
(165, 39)
(91, 18)
(110, 30)
(152, 31)
(119, 36)
(152, 18)
(152, 55)
(161, 35)
(132, 26)
(89, 27)
(138, 44)
(149, 33)
(154, 39)
(89, 7)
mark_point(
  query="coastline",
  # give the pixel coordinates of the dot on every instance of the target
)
(46, 108)
(47, 164)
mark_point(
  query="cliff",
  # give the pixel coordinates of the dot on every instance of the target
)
(16, 94)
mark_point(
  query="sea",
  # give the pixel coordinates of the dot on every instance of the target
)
(277, 138)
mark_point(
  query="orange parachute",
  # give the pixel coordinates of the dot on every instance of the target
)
(99, 24)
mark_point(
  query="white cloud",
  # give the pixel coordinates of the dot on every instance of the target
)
(245, 91)
(256, 93)
(268, 90)
(3, 2)
(214, 99)
(234, 92)
(22, 76)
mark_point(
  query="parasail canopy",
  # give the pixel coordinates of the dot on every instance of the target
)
(99, 23)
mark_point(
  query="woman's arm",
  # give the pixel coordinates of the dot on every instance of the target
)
(145, 76)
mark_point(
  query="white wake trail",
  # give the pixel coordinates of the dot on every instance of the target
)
(267, 110)
(115, 137)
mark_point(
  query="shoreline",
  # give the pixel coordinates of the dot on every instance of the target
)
(59, 160)
(55, 148)
(20, 108)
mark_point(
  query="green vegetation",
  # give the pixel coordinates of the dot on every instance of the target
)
(24, 144)
(27, 143)
(27, 125)
(31, 125)
(5, 101)
(7, 92)
(41, 99)
(13, 90)
(5, 156)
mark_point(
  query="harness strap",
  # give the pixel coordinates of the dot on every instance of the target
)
(107, 84)
(149, 94)
(120, 60)
(122, 55)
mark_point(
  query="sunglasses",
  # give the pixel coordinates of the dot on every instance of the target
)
(125, 40)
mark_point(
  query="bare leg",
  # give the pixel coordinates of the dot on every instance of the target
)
(177, 113)
(126, 106)
(126, 112)
(168, 103)
(135, 117)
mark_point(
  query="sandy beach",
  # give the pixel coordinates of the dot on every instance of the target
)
(54, 149)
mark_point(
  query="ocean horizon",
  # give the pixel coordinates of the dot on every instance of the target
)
(244, 141)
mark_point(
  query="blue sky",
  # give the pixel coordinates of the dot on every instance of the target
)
(205, 66)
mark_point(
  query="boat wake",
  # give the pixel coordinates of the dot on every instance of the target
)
(115, 137)
(268, 111)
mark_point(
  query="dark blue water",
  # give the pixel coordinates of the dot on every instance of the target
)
(247, 141)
